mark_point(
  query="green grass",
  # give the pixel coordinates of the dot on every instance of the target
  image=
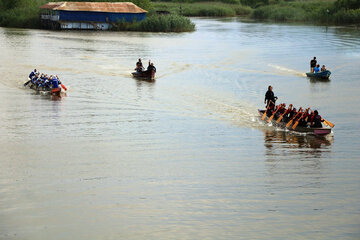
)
(309, 11)
(203, 9)
(159, 23)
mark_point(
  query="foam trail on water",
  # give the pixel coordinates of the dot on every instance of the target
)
(287, 71)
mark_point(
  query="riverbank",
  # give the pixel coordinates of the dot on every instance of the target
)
(340, 12)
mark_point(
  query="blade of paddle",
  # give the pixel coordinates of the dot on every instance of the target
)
(329, 123)
(289, 123)
(264, 115)
(295, 125)
(281, 117)
(272, 116)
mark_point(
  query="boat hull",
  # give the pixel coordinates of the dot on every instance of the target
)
(308, 130)
(323, 75)
(47, 91)
(145, 75)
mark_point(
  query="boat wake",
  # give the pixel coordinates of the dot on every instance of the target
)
(220, 106)
(287, 71)
(175, 68)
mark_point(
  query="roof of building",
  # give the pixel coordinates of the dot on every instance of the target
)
(113, 7)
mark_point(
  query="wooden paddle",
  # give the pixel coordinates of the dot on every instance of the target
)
(27, 82)
(297, 122)
(264, 115)
(292, 119)
(329, 123)
(272, 116)
(282, 115)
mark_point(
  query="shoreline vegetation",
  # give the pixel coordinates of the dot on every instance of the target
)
(172, 15)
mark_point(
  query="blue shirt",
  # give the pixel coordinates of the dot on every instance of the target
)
(316, 69)
(55, 83)
(31, 74)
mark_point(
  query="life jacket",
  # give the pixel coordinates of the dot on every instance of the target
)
(55, 83)
(317, 121)
(31, 74)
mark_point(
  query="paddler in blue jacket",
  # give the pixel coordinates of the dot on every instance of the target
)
(55, 85)
(31, 75)
(35, 78)
(54, 82)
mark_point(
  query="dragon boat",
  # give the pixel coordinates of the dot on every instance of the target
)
(308, 130)
(43, 91)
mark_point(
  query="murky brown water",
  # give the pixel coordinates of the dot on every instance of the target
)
(183, 157)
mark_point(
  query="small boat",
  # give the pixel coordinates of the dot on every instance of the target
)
(145, 75)
(324, 74)
(301, 129)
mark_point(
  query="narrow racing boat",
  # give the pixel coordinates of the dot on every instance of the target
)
(301, 129)
(145, 75)
(44, 91)
(323, 75)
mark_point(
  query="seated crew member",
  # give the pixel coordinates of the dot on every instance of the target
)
(57, 77)
(302, 121)
(139, 66)
(46, 85)
(292, 113)
(283, 108)
(317, 68)
(287, 114)
(54, 82)
(35, 78)
(280, 108)
(151, 67)
(316, 120)
(31, 75)
(323, 68)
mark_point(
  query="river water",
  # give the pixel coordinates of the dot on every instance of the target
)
(184, 157)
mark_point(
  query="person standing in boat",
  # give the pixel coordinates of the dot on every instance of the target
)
(313, 64)
(270, 99)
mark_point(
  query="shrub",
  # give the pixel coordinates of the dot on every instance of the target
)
(348, 17)
(158, 23)
(166, 23)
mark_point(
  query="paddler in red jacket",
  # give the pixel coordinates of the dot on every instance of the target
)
(316, 120)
